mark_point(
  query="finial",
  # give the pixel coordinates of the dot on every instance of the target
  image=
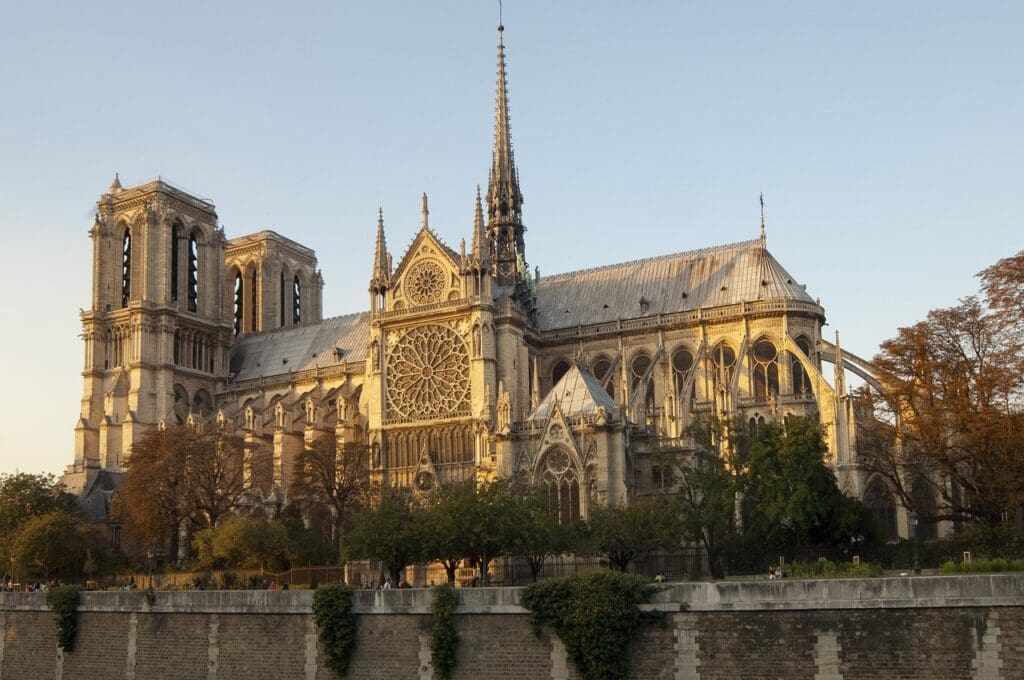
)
(426, 223)
(115, 186)
(501, 26)
(380, 217)
(763, 235)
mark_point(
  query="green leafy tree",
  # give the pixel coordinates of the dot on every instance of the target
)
(791, 499)
(241, 542)
(706, 483)
(390, 531)
(24, 495)
(622, 534)
(54, 544)
(535, 532)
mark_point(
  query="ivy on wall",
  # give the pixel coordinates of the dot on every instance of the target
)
(596, 615)
(444, 641)
(63, 601)
(332, 611)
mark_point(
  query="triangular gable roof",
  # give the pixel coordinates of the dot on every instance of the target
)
(425, 233)
(578, 393)
(696, 279)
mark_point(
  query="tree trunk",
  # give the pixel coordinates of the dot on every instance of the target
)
(449, 570)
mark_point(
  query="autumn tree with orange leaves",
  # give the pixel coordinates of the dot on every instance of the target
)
(948, 431)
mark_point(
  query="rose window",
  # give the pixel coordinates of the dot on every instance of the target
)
(428, 374)
(425, 283)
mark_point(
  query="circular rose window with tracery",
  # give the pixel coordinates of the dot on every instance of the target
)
(425, 283)
(428, 374)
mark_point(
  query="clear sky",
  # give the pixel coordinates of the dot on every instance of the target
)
(886, 136)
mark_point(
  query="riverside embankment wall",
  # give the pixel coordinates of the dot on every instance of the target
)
(924, 627)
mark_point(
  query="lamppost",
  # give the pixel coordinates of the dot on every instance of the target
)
(149, 563)
(913, 538)
(13, 577)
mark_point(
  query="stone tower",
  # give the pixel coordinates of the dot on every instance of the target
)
(157, 339)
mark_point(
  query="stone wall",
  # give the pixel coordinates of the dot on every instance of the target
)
(931, 627)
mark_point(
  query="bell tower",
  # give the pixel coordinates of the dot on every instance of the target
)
(157, 336)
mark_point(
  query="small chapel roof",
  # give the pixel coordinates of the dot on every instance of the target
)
(578, 393)
(299, 348)
(709, 277)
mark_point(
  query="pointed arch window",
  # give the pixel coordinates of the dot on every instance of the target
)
(766, 370)
(601, 369)
(193, 273)
(296, 301)
(563, 485)
(126, 266)
(281, 306)
(253, 296)
(882, 505)
(723, 362)
(559, 370)
(175, 262)
(682, 364)
(639, 370)
(239, 305)
(800, 379)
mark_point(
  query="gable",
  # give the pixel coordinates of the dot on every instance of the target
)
(427, 274)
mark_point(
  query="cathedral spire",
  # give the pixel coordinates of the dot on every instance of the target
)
(381, 262)
(480, 248)
(504, 199)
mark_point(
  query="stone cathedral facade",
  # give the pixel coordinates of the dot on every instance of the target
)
(465, 365)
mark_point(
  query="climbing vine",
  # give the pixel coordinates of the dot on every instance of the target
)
(595, 614)
(63, 601)
(444, 641)
(332, 610)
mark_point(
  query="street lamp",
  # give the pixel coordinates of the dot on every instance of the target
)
(913, 538)
(149, 563)
(13, 578)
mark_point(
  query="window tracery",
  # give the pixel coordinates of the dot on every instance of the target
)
(559, 475)
(427, 373)
(193, 273)
(801, 381)
(766, 369)
(425, 282)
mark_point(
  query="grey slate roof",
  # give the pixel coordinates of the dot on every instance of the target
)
(578, 393)
(710, 277)
(298, 348)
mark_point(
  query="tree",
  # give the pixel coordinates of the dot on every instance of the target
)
(241, 542)
(947, 423)
(535, 532)
(335, 475)
(791, 498)
(622, 534)
(49, 545)
(180, 477)
(706, 484)
(390, 531)
(23, 496)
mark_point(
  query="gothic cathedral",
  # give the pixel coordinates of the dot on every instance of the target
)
(466, 365)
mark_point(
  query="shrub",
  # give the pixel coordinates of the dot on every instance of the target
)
(444, 641)
(63, 601)
(595, 614)
(828, 569)
(332, 610)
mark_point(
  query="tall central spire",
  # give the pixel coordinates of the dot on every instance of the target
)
(504, 199)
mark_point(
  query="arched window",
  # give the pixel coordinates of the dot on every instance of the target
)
(801, 382)
(601, 368)
(682, 364)
(878, 499)
(193, 273)
(723, 361)
(559, 370)
(296, 301)
(175, 262)
(126, 267)
(253, 296)
(563, 486)
(283, 298)
(239, 306)
(202, 404)
(639, 371)
(766, 370)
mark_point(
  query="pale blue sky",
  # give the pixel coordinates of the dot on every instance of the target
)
(886, 136)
